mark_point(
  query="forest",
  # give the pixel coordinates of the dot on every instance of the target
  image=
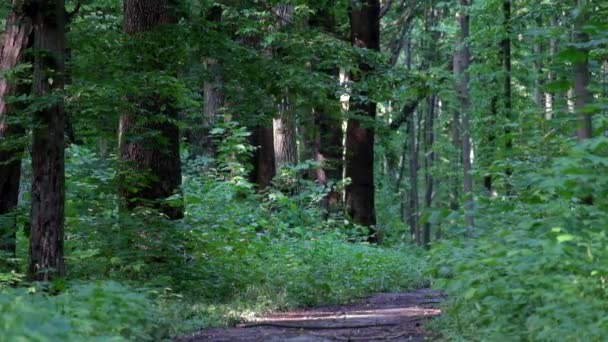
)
(172, 166)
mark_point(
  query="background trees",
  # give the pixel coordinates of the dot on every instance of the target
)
(255, 135)
(16, 39)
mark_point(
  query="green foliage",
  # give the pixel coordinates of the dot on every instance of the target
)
(537, 272)
(103, 311)
(235, 255)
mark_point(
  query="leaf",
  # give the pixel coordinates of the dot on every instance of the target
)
(565, 238)
(470, 293)
(572, 55)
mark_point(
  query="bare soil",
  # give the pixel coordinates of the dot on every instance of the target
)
(382, 317)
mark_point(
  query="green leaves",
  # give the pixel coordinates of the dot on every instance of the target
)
(107, 311)
(535, 271)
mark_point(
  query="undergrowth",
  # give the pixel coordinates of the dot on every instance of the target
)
(537, 270)
(237, 254)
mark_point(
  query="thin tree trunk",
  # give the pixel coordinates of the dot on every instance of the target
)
(538, 68)
(284, 127)
(429, 158)
(48, 178)
(582, 94)
(488, 179)
(461, 65)
(413, 178)
(16, 40)
(403, 198)
(506, 59)
(582, 78)
(551, 77)
(328, 150)
(148, 134)
(199, 136)
(456, 160)
(360, 193)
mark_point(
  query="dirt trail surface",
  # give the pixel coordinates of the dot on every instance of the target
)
(383, 317)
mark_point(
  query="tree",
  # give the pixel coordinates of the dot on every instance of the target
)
(462, 58)
(284, 124)
(413, 151)
(328, 147)
(16, 40)
(360, 193)
(213, 97)
(148, 133)
(582, 94)
(508, 101)
(262, 138)
(284, 131)
(48, 178)
(429, 160)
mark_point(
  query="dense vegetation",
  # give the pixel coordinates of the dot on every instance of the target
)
(172, 165)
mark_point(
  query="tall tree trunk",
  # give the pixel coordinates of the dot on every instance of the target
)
(48, 178)
(413, 178)
(431, 18)
(508, 101)
(16, 39)
(148, 134)
(284, 125)
(582, 77)
(461, 65)
(328, 149)
(456, 160)
(213, 99)
(488, 179)
(429, 159)
(360, 193)
(538, 69)
(551, 77)
(264, 170)
(582, 94)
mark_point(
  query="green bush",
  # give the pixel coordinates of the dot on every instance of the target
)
(538, 271)
(95, 311)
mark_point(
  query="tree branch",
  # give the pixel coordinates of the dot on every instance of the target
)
(407, 111)
(385, 8)
(71, 15)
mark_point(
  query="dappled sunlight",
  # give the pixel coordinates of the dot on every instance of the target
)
(380, 313)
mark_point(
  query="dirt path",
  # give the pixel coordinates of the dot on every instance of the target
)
(383, 317)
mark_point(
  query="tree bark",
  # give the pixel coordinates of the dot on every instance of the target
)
(429, 159)
(328, 146)
(16, 40)
(455, 162)
(148, 135)
(411, 132)
(284, 125)
(360, 193)
(461, 65)
(506, 59)
(538, 69)
(213, 100)
(582, 94)
(264, 170)
(48, 178)
(551, 77)
(284, 128)
(328, 150)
